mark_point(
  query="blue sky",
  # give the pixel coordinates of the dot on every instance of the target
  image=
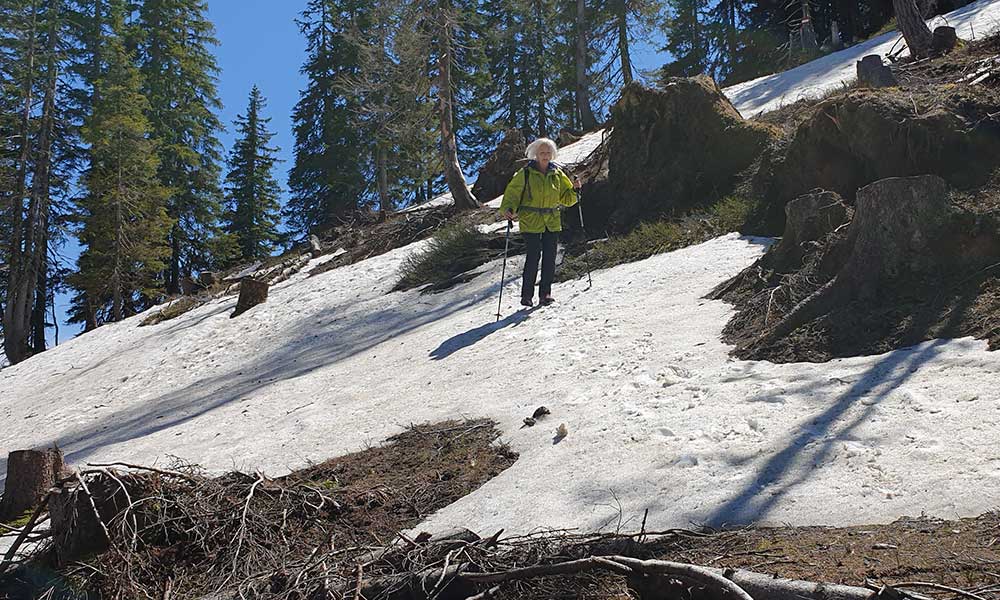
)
(259, 43)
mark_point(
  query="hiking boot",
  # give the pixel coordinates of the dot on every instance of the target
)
(546, 300)
(527, 302)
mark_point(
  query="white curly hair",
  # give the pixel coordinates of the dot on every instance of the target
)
(532, 150)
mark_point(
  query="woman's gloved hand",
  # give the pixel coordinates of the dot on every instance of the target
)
(510, 216)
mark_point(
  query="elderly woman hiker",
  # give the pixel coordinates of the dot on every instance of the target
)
(534, 197)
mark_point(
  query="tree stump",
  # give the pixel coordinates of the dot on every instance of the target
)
(895, 222)
(872, 73)
(30, 474)
(207, 279)
(315, 249)
(808, 218)
(252, 293)
(895, 225)
(944, 39)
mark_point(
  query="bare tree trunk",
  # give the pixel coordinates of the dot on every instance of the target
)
(731, 28)
(915, 31)
(116, 275)
(38, 210)
(807, 31)
(582, 84)
(174, 275)
(383, 181)
(540, 66)
(41, 303)
(449, 148)
(512, 83)
(623, 46)
(20, 285)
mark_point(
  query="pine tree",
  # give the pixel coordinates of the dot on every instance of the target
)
(391, 107)
(686, 40)
(252, 193)
(125, 221)
(179, 73)
(328, 177)
(37, 159)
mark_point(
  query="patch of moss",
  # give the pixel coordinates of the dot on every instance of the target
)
(21, 520)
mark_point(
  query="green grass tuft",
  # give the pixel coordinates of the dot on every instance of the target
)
(452, 251)
(726, 215)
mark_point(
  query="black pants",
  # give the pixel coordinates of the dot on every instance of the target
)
(540, 245)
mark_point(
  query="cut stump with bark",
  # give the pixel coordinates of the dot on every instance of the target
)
(80, 516)
(895, 227)
(873, 73)
(252, 293)
(808, 218)
(30, 474)
(944, 39)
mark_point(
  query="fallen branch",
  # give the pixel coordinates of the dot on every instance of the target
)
(141, 468)
(25, 531)
(938, 586)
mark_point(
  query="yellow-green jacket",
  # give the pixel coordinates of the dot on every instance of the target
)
(546, 194)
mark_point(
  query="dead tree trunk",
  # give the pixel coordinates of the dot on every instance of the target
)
(449, 148)
(30, 474)
(915, 31)
(587, 119)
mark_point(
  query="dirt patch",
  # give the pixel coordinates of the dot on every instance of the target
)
(257, 535)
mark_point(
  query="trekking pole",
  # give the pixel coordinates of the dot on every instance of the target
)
(586, 259)
(503, 271)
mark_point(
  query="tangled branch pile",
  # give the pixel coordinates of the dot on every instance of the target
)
(183, 534)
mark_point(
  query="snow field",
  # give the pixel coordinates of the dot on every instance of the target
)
(659, 416)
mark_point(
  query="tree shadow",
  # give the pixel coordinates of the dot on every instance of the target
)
(885, 376)
(346, 331)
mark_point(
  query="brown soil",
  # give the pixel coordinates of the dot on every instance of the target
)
(962, 554)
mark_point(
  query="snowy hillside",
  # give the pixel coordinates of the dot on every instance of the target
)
(659, 416)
